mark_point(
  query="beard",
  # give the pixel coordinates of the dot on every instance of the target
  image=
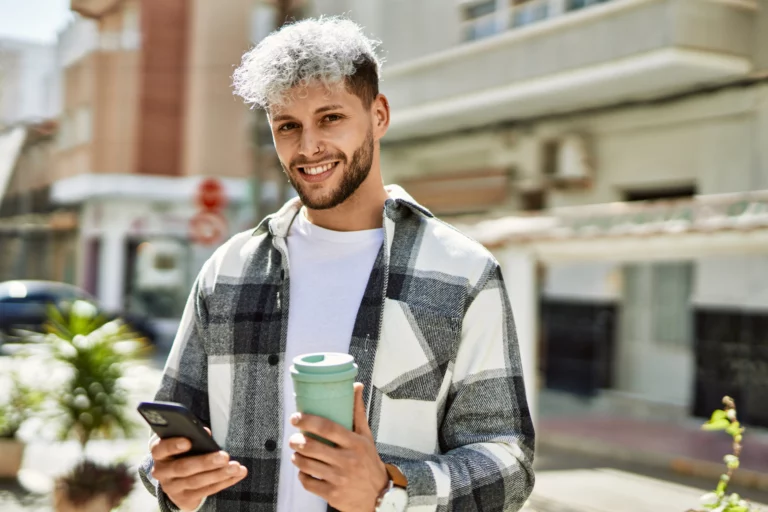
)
(356, 170)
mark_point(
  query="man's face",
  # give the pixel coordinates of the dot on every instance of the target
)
(325, 143)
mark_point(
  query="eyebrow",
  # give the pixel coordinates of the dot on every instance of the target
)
(326, 108)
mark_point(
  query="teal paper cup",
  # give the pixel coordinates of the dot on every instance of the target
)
(323, 386)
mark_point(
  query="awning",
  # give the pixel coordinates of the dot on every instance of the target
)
(689, 228)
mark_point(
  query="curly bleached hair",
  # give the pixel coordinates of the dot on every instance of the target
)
(332, 51)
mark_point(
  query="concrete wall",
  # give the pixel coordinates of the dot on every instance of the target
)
(407, 29)
(737, 282)
(594, 282)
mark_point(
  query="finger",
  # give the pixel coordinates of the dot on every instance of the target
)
(209, 431)
(361, 419)
(164, 449)
(188, 466)
(315, 449)
(219, 486)
(322, 427)
(209, 478)
(314, 467)
(315, 486)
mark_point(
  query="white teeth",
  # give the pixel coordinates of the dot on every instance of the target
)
(318, 170)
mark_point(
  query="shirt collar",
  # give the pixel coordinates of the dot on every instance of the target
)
(279, 223)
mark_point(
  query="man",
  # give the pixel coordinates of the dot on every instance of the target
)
(441, 420)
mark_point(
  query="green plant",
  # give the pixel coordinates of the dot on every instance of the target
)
(22, 403)
(719, 501)
(92, 402)
(89, 480)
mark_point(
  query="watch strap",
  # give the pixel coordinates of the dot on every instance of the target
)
(397, 476)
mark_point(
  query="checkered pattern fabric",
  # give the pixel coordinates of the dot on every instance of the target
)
(436, 348)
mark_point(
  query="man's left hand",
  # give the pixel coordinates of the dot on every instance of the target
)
(351, 476)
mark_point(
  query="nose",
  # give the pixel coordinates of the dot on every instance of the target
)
(310, 143)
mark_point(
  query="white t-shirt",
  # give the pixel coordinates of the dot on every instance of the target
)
(329, 273)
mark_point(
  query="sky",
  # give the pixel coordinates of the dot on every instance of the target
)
(33, 20)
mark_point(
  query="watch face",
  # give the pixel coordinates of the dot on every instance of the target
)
(396, 500)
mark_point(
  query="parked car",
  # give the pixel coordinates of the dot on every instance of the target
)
(24, 306)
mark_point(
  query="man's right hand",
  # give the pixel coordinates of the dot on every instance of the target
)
(187, 481)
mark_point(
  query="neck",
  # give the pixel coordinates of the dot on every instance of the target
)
(363, 210)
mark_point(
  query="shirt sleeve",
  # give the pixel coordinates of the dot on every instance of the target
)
(185, 379)
(487, 435)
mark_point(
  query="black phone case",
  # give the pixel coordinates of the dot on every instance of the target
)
(181, 423)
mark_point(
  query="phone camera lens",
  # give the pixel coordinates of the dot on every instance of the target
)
(154, 418)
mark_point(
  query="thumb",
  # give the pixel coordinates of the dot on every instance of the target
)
(360, 419)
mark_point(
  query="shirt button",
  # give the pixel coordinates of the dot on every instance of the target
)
(273, 359)
(270, 445)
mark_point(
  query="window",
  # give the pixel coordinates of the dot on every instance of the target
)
(573, 5)
(657, 303)
(485, 18)
(481, 20)
(131, 34)
(525, 12)
(83, 125)
(654, 194)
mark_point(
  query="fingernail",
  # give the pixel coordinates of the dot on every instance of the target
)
(220, 458)
(232, 469)
(296, 418)
(182, 445)
(243, 470)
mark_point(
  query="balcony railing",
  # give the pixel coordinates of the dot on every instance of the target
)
(520, 15)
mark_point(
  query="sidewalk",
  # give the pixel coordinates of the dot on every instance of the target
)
(682, 448)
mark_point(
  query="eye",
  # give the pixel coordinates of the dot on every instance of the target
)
(287, 127)
(330, 118)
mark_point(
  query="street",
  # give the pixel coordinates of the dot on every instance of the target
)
(566, 481)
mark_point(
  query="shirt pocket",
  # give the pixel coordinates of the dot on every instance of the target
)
(414, 355)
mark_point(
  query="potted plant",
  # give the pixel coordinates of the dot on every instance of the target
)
(22, 402)
(92, 487)
(92, 402)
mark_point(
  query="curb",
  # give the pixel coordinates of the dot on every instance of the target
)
(681, 465)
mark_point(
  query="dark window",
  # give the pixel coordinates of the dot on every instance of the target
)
(533, 200)
(550, 150)
(482, 9)
(660, 193)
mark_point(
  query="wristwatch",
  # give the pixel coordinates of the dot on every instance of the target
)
(395, 497)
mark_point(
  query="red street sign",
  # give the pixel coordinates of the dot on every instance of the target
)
(211, 195)
(208, 228)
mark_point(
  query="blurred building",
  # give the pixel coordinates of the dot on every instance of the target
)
(503, 106)
(29, 82)
(147, 115)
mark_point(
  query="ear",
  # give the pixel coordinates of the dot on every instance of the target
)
(380, 111)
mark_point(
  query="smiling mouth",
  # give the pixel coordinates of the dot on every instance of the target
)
(314, 170)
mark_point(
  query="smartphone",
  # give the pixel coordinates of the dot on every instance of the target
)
(169, 419)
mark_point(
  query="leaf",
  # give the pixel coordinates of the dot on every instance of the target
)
(716, 425)
(718, 415)
(734, 428)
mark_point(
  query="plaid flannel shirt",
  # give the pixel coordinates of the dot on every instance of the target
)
(436, 348)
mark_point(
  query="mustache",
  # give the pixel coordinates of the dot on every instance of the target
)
(301, 161)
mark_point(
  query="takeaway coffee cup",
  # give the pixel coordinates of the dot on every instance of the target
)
(323, 385)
